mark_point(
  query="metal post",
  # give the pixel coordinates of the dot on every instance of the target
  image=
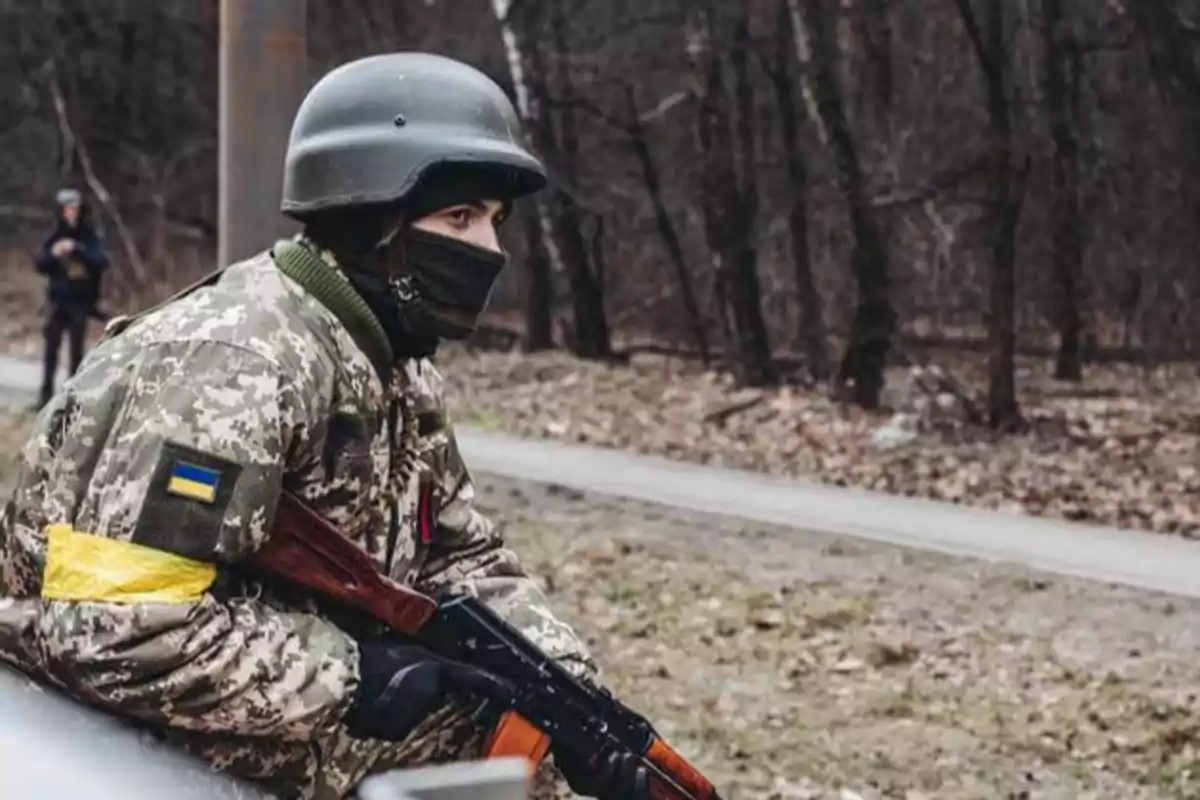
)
(263, 78)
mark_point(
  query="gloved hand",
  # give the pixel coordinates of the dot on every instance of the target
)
(609, 777)
(401, 684)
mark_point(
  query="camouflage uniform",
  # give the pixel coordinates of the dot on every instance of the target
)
(272, 376)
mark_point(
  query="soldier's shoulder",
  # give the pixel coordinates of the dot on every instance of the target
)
(251, 307)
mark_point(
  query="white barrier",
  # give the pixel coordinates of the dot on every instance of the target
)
(53, 748)
(495, 779)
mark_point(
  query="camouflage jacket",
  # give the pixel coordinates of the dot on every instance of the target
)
(157, 470)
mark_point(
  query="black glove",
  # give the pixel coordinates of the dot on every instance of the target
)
(401, 684)
(608, 776)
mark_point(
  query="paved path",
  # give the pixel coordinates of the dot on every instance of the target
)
(1133, 558)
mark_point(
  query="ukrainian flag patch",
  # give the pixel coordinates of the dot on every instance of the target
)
(193, 482)
(187, 501)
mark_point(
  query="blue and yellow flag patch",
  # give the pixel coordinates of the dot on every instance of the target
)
(187, 501)
(193, 482)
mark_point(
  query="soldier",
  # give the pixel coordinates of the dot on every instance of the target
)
(155, 473)
(72, 258)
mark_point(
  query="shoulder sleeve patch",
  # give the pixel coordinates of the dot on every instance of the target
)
(185, 504)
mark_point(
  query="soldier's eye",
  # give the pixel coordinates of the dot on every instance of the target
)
(460, 217)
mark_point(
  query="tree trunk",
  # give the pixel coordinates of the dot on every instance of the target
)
(988, 43)
(1169, 44)
(716, 179)
(538, 275)
(728, 201)
(1065, 220)
(879, 49)
(640, 145)
(861, 375)
(592, 337)
(537, 290)
(812, 323)
(754, 345)
(878, 80)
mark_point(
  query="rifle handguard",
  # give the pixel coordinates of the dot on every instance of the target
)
(306, 548)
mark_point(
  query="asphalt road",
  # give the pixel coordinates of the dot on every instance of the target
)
(1132, 558)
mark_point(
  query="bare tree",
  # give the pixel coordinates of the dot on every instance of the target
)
(545, 260)
(640, 145)
(728, 188)
(591, 336)
(537, 290)
(1007, 184)
(634, 127)
(861, 375)
(1063, 65)
(876, 33)
(812, 323)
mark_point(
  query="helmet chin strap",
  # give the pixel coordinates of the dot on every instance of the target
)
(390, 254)
(393, 230)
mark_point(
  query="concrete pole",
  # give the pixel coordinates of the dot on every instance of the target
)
(263, 78)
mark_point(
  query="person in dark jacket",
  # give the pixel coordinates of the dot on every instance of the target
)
(72, 257)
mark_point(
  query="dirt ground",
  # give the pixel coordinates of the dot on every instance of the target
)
(793, 664)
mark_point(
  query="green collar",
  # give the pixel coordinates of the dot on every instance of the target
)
(334, 291)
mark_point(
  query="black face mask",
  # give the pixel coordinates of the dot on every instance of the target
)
(424, 288)
(451, 280)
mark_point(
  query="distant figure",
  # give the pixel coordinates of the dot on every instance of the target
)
(73, 259)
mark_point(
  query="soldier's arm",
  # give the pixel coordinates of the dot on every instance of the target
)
(174, 474)
(468, 552)
(91, 252)
(46, 262)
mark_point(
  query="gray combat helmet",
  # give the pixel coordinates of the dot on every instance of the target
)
(369, 129)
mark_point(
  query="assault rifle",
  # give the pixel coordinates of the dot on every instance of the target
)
(549, 704)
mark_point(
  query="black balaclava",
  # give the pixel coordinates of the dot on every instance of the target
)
(423, 287)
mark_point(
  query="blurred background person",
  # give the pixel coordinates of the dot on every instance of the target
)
(73, 259)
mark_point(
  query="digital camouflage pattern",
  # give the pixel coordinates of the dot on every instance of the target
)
(256, 379)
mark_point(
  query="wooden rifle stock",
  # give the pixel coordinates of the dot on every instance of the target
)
(305, 548)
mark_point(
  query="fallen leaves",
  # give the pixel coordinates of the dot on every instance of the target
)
(790, 667)
(1123, 450)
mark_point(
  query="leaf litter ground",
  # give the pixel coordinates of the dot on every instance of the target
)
(1123, 449)
(794, 664)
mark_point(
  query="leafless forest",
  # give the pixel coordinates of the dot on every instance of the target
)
(799, 190)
